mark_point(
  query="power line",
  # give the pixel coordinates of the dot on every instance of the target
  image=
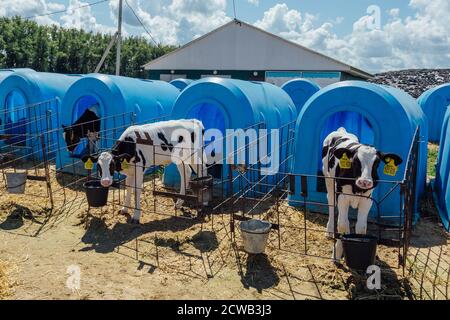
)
(143, 26)
(65, 10)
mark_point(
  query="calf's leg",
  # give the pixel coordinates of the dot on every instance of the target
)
(331, 204)
(343, 226)
(129, 183)
(185, 175)
(139, 184)
(363, 213)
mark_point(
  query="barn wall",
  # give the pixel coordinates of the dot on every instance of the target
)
(262, 75)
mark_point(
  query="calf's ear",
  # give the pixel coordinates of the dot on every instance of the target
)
(339, 153)
(386, 157)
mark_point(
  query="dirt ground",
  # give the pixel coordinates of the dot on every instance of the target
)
(174, 256)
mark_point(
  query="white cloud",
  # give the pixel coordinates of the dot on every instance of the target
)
(420, 41)
(53, 6)
(253, 2)
(394, 12)
(338, 20)
(174, 21)
(75, 17)
(295, 26)
(28, 8)
(83, 18)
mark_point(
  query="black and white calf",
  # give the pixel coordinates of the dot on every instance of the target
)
(144, 146)
(355, 167)
(87, 126)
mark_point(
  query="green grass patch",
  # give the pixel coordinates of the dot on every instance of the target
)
(433, 150)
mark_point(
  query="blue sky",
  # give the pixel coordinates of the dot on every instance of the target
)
(409, 33)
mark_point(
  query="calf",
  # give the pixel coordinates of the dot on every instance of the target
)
(161, 143)
(87, 126)
(355, 167)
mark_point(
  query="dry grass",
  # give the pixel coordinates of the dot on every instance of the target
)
(5, 286)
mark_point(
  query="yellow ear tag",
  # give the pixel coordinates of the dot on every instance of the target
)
(89, 165)
(125, 164)
(390, 169)
(345, 162)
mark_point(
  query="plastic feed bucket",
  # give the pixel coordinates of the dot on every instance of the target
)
(359, 250)
(96, 194)
(254, 235)
(16, 181)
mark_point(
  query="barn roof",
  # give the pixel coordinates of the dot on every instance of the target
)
(240, 46)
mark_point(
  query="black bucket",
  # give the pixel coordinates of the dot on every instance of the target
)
(359, 250)
(97, 195)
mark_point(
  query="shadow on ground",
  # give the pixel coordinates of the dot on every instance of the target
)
(259, 273)
(15, 218)
(100, 238)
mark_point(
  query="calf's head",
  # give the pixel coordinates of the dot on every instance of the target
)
(107, 164)
(71, 138)
(364, 164)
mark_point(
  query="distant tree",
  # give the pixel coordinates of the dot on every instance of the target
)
(25, 44)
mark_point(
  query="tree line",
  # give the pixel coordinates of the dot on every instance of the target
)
(25, 44)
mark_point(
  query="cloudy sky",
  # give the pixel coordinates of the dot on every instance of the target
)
(375, 35)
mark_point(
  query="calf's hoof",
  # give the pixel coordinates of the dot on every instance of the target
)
(179, 204)
(336, 262)
(329, 235)
(330, 230)
(134, 221)
(123, 211)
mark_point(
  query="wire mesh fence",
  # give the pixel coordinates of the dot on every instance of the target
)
(240, 191)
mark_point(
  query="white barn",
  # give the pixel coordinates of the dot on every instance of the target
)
(243, 51)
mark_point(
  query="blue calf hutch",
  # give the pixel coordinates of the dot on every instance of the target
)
(31, 101)
(232, 104)
(441, 190)
(180, 83)
(379, 115)
(4, 73)
(300, 90)
(119, 102)
(434, 103)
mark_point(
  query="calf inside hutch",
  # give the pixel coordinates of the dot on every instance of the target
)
(294, 219)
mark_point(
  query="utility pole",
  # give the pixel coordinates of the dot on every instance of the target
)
(119, 39)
